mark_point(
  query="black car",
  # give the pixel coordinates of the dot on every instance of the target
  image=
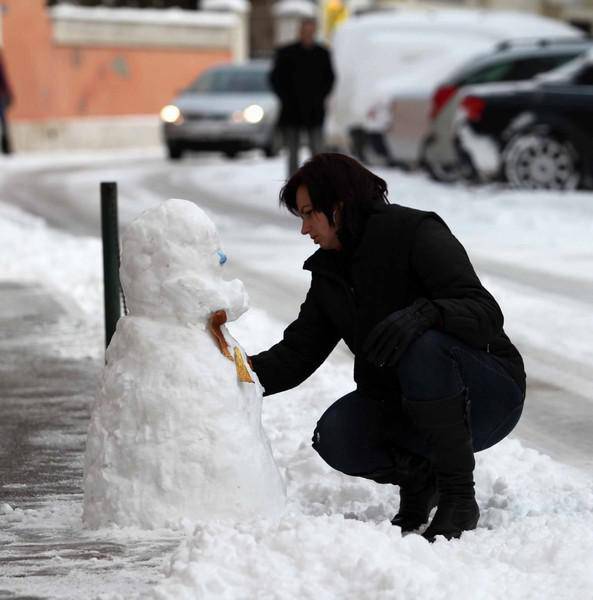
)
(543, 129)
(513, 60)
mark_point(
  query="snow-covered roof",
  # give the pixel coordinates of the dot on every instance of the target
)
(499, 24)
(236, 6)
(303, 8)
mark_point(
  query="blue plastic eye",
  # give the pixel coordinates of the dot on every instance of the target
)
(221, 257)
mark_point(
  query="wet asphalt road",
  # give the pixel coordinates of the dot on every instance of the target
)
(44, 398)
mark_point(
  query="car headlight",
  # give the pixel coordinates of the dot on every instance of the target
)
(170, 114)
(253, 114)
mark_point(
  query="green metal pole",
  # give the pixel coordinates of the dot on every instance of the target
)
(110, 235)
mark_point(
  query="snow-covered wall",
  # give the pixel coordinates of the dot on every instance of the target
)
(87, 133)
(153, 28)
(74, 68)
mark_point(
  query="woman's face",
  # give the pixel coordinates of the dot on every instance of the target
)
(315, 223)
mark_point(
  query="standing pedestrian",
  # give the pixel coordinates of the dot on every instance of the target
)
(5, 102)
(437, 377)
(302, 77)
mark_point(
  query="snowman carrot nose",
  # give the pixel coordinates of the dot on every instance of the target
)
(218, 319)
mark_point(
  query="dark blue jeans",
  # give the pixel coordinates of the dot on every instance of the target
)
(358, 433)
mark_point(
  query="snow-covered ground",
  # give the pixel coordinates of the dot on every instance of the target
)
(534, 539)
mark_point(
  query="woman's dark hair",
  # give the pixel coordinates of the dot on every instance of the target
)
(335, 180)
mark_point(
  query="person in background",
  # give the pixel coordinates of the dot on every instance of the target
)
(5, 102)
(437, 377)
(302, 77)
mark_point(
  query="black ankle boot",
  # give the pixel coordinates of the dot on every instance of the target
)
(446, 421)
(418, 491)
(415, 503)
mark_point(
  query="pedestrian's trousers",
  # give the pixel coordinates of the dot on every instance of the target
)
(4, 139)
(292, 140)
(359, 433)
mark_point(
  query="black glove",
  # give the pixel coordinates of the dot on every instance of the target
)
(389, 339)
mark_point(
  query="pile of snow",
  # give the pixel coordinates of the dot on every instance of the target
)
(67, 264)
(174, 434)
(534, 529)
(534, 538)
(6, 509)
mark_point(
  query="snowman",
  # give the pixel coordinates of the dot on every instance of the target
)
(175, 429)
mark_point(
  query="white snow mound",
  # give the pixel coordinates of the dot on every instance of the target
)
(174, 435)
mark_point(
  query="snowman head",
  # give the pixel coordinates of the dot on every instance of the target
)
(172, 266)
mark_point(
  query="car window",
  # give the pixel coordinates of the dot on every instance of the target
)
(232, 81)
(518, 69)
(495, 72)
(529, 67)
(585, 77)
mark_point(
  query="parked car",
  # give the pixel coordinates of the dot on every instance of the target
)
(537, 134)
(389, 63)
(228, 108)
(517, 60)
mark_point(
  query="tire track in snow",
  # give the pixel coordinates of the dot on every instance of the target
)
(553, 283)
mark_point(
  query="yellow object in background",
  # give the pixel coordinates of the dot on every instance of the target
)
(335, 13)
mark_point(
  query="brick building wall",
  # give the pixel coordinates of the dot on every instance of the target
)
(62, 70)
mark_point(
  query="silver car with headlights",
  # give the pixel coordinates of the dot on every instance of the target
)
(229, 108)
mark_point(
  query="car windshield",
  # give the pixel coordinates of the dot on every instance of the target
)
(228, 81)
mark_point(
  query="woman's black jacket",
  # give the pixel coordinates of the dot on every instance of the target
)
(404, 254)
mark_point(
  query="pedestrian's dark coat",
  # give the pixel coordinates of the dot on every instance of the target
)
(5, 91)
(404, 254)
(302, 77)
(5, 101)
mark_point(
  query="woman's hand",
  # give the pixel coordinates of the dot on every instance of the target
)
(389, 339)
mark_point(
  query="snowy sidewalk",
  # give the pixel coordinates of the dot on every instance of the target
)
(534, 540)
(44, 406)
(45, 395)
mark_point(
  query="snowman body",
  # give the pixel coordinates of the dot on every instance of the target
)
(174, 433)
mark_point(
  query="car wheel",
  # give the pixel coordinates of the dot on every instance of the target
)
(537, 159)
(174, 152)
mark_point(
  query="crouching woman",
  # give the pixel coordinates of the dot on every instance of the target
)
(437, 379)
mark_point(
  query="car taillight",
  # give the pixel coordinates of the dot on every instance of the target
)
(440, 98)
(473, 107)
